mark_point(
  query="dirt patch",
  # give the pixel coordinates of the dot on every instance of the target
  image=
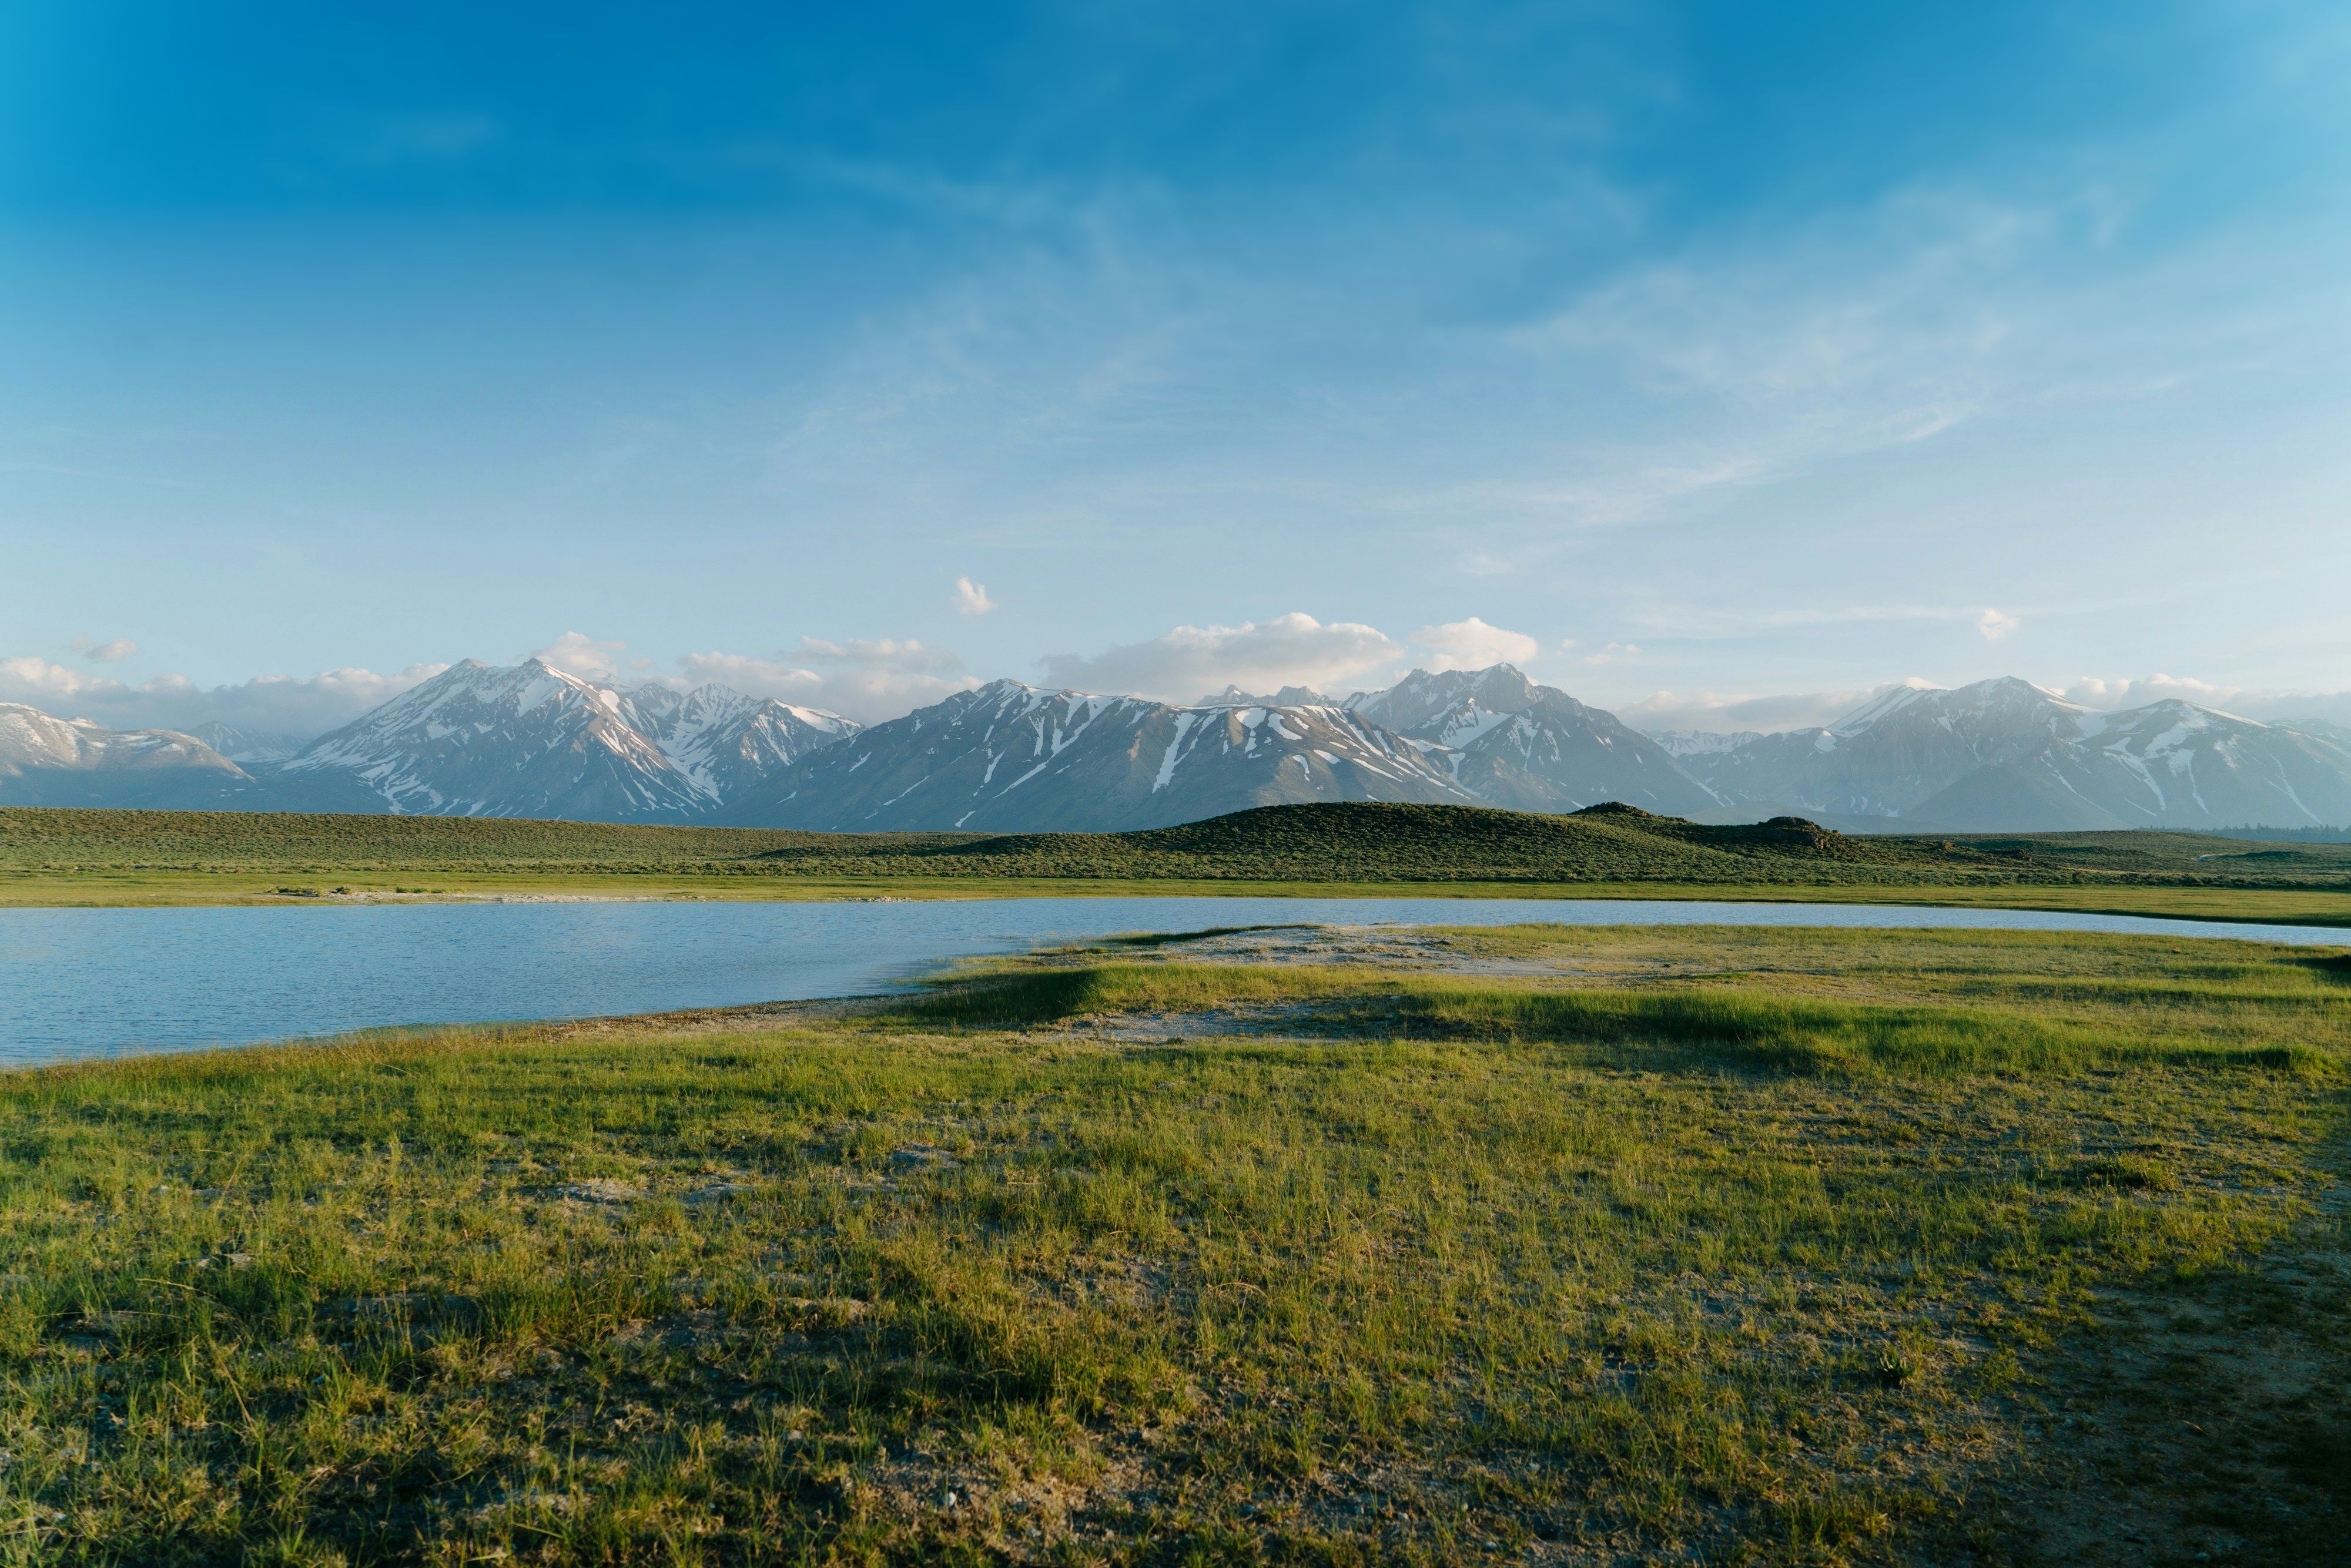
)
(721, 1020)
(601, 1190)
(2208, 1421)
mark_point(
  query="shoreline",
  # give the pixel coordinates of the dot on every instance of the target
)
(2248, 906)
(1416, 930)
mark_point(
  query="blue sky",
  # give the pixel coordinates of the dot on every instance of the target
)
(1684, 354)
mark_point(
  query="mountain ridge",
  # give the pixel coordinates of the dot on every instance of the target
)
(1010, 757)
(530, 739)
(2005, 754)
(50, 761)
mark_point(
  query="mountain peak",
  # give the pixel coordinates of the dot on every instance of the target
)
(1892, 700)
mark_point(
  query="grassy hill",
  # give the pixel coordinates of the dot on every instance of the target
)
(1366, 841)
(48, 855)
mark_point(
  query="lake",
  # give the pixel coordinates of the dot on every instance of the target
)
(79, 983)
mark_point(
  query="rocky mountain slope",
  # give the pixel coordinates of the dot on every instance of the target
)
(49, 761)
(2005, 756)
(475, 740)
(726, 742)
(1529, 748)
(1012, 759)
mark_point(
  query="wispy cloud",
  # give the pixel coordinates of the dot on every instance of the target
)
(1712, 622)
(971, 598)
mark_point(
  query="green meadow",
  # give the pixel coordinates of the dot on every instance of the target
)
(1536, 1245)
(89, 857)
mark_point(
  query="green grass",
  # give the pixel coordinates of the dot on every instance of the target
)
(54, 856)
(1722, 1246)
(1768, 1030)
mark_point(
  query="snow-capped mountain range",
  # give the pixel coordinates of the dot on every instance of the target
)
(2004, 755)
(1531, 748)
(532, 741)
(1012, 759)
(47, 761)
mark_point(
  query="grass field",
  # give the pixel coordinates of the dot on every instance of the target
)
(1539, 1244)
(66, 857)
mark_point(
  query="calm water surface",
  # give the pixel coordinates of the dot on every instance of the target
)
(78, 983)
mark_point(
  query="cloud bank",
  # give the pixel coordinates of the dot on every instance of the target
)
(1715, 713)
(2251, 702)
(272, 705)
(1289, 649)
(867, 681)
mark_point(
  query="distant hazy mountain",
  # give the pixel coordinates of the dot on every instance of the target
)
(1011, 758)
(2005, 756)
(253, 750)
(1702, 742)
(2324, 729)
(534, 741)
(49, 761)
(1288, 696)
(1531, 748)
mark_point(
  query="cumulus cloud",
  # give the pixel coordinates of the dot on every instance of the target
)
(1994, 625)
(112, 651)
(1257, 656)
(1472, 644)
(866, 681)
(1612, 652)
(576, 653)
(33, 679)
(971, 598)
(290, 706)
